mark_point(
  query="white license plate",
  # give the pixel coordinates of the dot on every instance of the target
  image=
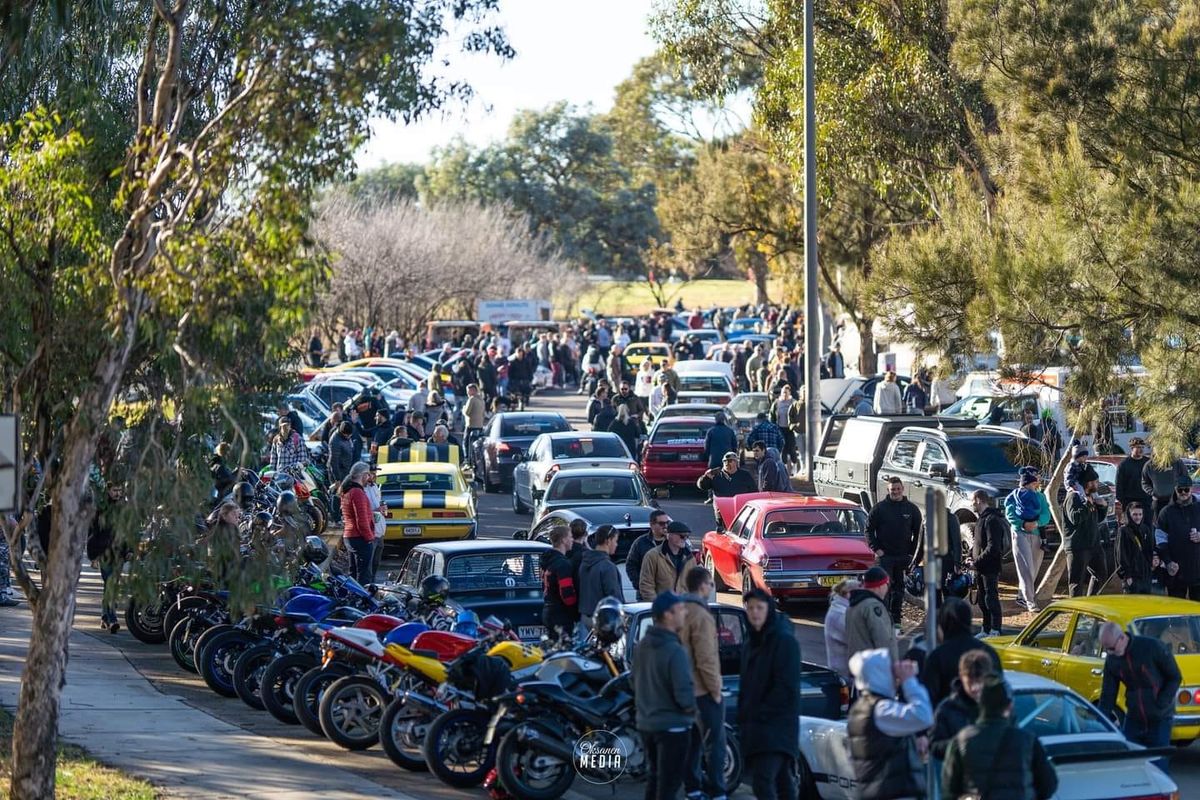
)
(413, 530)
(697, 400)
(531, 631)
(689, 457)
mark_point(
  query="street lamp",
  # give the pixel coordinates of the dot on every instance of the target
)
(812, 304)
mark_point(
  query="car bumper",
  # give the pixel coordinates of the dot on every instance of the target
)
(502, 472)
(425, 530)
(805, 583)
(1185, 726)
(660, 473)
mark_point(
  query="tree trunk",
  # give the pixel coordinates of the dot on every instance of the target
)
(759, 272)
(1058, 565)
(868, 359)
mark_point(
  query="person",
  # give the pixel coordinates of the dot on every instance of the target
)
(860, 405)
(699, 638)
(769, 699)
(643, 385)
(627, 399)
(951, 563)
(560, 611)
(835, 362)
(1151, 677)
(382, 431)
(288, 448)
(1084, 512)
(727, 480)
(601, 412)
(941, 390)
(627, 427)
(781, 412)
(659, 520)
(773, 475)
(719, 439)
(766, 432)
(671, 383)
(665, 568)
(1135, 550)
(1180, 520)
(293, 416)
(101, 547)
(1026, 540)
(1079, 457)
(579, 546)
(358, 521)
(1128, 486)
(893, 528)
(1160, 483)
(888, 400)
(316, 351)
(1030, 426)
(868, 624)
(344, 449)
(994, 758)
(961, 706)
(473, 413)
(753, 364)
(598, 574)
(664, 698)
(915, 397)
(836, 650)
(941, 665)
(881, 729)
(987, 554)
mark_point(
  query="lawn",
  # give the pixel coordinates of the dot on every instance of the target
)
(626, 298)
(79, 776)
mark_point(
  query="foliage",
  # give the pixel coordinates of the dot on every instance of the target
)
(387, 183)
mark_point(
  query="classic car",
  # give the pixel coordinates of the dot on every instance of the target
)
(489, 576)
(705, 387)
(674, 451)
(505, 438)
(1063, 643)
(794, 546)
(631, 521)
(552, 453)
(658, 352)
(595, 487)
(425, 500)
(1091, 756)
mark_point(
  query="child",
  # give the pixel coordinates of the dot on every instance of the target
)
(1025, 502)
(1078, 464)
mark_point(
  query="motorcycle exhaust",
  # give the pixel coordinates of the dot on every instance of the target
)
(544, 743)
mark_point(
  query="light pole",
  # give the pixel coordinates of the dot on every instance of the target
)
(812, 304)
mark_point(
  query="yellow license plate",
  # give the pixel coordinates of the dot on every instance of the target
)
(829, 580)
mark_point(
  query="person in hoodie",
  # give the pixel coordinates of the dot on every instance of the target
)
(961, 707)
(560, 611)
(1135, 550)
(1151, 678)
(1084, 512)
(665, 568)
(835, 627)
(1160, 483)
(598, 574)
(868, 623)
(1027, 539)
(987, 553)
(1181, 522)
(772, 473)
(699, 637)
(664, 697)
(941, 665)
(769, 699)
(881, 729)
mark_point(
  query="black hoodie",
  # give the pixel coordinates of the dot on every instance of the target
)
(558, 590)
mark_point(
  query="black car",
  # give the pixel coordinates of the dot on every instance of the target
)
(495, 577)
(631, 521)
(506, 436)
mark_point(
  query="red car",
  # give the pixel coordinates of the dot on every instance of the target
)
(792, 545)
(674, 451)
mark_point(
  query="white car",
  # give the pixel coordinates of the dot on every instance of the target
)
(705, 366)
(552, 453)
(704, 387)
(1093, 759)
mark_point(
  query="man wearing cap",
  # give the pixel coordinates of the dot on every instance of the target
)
(720, 439)
(1084, 512)
(727, 480)
(993, 757)
(288, 448)
(1129, 487)
(665, 697)
(893, 529)
(1160, 483)
(1181, 522)
(881, 729)
(665, 568)
(861, 405)
(1026, 534)
(659, 520)
(868, 623)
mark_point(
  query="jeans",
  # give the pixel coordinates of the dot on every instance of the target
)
(364, 558)
(1027, 555)
(108, 614)
(5, 567)
(894, 566)
(710, 723)
(772, 775)
(667, 758)
(1151, 734)
(989, 601)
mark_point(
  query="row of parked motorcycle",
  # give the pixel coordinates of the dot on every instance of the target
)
(435, 686)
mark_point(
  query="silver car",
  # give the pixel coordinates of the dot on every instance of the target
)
(551, 453)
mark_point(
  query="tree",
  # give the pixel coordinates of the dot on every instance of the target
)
(231, 116)
(386, 184)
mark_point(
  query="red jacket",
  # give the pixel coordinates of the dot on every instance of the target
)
(357, 520)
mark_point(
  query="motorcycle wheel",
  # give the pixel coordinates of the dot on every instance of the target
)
(351, 710)
(317, 514)
(454, 750)
(179, 610)
(145, 622)
(402, 732)
(522, 772)
(182, 642)
(217, 655)
(248, 672)
(310, 690)
(278, 689)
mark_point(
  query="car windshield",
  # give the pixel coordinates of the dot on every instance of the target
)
(1049, 713)
(681, 433)
(603, 447)
(476, 572)
(991, 455)
(1105, 471)
(532, 426)
(750, 405)
(426, 481)
(703, 383)
(591, 487)
(815, 522)
(1181, 632)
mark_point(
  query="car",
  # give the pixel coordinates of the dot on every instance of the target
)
(631, 521)
(767, 340)
(344, 386)
(697, 410)
(658, 352)
(592, 487)
(1093, 759)
(674, 451)
(708, 336)
(999, 409)
(745, 409)
(425, 500)
(497, 577)
(1062, 643)
(705, 387)
(704, 365)
(837, 394)
(552, 453)
(793, 546)
(745, 325)
(505, 438)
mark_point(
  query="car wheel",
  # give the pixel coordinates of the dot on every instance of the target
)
(488, 486)
(708, 565)
(518, 506)
(747, 580)
(808, 784)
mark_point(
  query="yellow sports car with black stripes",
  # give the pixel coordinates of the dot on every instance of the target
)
(426, 501)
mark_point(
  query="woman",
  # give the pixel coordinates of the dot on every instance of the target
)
(358, 521)
(627, 428)
(378, 515)
(658, 395)
(835, 627)
(594, 406)
(888, 401)
(781, 417)
(224, 541)
(915, 397)
(643, 386)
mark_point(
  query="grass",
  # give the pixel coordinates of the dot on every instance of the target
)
(78, 775)
(631, 298)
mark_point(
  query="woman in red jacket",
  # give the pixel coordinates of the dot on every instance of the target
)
(358, 523)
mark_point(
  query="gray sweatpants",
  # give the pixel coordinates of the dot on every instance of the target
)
(1027, 555)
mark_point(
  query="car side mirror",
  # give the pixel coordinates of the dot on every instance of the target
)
(940, 469)
(520, 534)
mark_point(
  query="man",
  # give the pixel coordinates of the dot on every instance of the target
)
(1147, 670)
(1027, 538)
(888, 399)
(753, 364)
(579, 545)
(1129, 487)
(288, 448)
(727, 480)
(293, 416)
(893, 527)
(993, 757)
(769, 699)
(1181, 522)
(881, 730)
(868, 624)
(473, 415)
(835, 364)
(1135, 550)
(1160, 484)
(961, 707)
(382, 431)
(441, 436)
(664, 697)
(719, 439)
(626, 397)
(773, 474)
(598, 574)
(766, 432)
(671, 383)
(316, 351)
(699, 637)
(861, 406)
(561, 602)
(1084, 513)
(941, 665)
(659, 520)
(665, 568)
(1031, 427)
(987, 553)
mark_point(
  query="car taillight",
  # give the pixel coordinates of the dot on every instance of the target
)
(550, 472)
(503, 447)
(449, 514)
(1185, 697)
(633, 465)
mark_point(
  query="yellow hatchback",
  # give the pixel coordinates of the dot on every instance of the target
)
(637, 352)
(1062, 643)
(426, 501)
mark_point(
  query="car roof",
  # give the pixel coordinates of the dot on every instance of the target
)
(399, 467)
(800, 501)
(1126, 607)
(483, 546)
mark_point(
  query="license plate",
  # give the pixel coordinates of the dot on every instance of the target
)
(690, 457)
(412, 530)
(829, 580)
(531, 631)
(698, 400)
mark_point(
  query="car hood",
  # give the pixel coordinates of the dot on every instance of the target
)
(997, 484)
(729, 507)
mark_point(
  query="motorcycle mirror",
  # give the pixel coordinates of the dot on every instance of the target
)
(520, 534)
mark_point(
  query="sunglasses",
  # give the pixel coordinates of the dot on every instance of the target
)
(660, 522)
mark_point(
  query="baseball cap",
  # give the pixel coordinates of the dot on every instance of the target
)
(1078, 450)
(664, 603)
(875, 577)
(1183, 482)
(1137, 441)
(729, 455)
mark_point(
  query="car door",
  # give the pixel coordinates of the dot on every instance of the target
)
(933, 452)
(1082, 665)
(725, 549)
(900, 460)
(1040, 647)
(525, 469)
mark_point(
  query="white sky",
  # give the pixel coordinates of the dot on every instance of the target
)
(573, 50)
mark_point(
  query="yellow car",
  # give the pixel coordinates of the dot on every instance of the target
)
(426, 501)
(1062, 643)
(637, 352)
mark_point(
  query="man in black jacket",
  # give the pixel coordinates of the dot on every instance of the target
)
(1129, 487)
(1084, 513)
(728, 480)
(941, 665)
(893, 527)
(1181, 522)
(961, 707)
(769, 699)
(1135, 550)
(659, 520)
(1158, 483)
(598, 575)
(561, 609)
(987, 553)
(1151, 678)
(665, 697)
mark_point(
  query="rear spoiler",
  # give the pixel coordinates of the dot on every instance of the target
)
(1113, 755)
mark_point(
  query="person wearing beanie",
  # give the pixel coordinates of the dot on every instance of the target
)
(868, 623)
(665, 696)
(1181, 522)
(954, 630)
(1084, 513)
(881, 728)
(1159, 483)
(994, 758)
(1027, 536)
(1128, 486)
(665, 568)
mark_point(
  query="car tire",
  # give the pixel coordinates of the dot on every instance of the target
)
(518, 506)
(720, 585)
(806, 781)
(488, 486)
(747, 580)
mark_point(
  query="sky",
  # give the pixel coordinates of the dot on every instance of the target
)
(573, 50)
